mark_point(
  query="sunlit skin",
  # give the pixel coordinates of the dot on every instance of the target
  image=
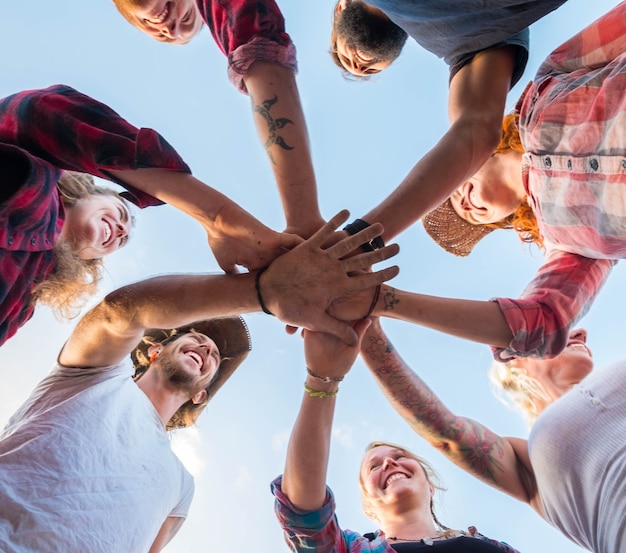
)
(97, 225)
(192, 358)
(356, 62)
(559, 374)
(493, 193)
(391, 478)
(176, 21)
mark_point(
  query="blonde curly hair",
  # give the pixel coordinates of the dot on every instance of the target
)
(523, 391)
(73, 280)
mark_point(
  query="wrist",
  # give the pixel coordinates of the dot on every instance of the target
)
(312, 385)
(358, 225)
(259, 294)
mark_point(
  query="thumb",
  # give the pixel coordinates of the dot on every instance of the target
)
(229, 268)
(342, 330)
(287, 241)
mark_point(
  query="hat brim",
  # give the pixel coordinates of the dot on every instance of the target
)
(230, 335)
(453, 233)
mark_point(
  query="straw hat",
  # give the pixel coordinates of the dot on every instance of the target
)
(230, 335)
(453, 233)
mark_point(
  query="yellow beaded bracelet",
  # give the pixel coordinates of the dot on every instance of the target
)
(319, 393)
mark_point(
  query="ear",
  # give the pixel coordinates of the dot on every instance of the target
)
(341, 5)
(199, 397)
(155, 348)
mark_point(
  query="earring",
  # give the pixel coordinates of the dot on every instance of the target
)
(153, 356)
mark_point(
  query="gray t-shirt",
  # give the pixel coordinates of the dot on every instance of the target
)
(578, 453)
(456, 30)
(86, 466)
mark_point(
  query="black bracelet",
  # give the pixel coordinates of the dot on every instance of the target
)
(257, 286)
(358, 225)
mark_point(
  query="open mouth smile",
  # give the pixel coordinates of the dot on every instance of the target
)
(394, 476)
(162, 15)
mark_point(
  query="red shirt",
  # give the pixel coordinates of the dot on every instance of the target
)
(42, 133)
(248, 31)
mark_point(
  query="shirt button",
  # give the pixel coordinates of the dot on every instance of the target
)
(547, 162)
(594, 164)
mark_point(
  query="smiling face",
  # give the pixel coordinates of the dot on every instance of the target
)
(190, 362)
(97, 225)
(559, 374)
(365, 41)
(493, 193)
(391, 476)
(172, 21)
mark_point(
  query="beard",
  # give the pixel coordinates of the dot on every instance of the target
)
(180, 379)
(373, 35)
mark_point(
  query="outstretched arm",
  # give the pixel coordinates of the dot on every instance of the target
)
(282, 129)
(235, 236)
(476, 106)
(262, 63)
(500, 462)
(304, 479)
(479, 321)
(297, 287)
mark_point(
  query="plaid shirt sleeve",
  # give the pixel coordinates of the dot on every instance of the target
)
(72, 131)
(247, 31)
(315, 531)
(561, 293)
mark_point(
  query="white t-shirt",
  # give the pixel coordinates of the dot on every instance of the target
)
(86, 467)
(578, 454)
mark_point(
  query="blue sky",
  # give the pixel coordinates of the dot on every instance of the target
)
(365, 137)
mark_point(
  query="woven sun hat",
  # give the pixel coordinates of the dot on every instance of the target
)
(453, 233)
(230, 335)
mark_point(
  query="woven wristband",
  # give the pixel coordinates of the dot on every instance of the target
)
(325, 379)
(358, 225)
(319, 393)
(257, 286)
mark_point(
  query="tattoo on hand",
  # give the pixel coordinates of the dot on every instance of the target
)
(389, 299)
(274, 125)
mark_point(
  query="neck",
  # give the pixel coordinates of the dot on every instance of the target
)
(411, 528)
(165, 401)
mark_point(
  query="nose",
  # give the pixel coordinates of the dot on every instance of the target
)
(389, 462)
(579, 334)
(359, 67)
(171, 30)
(122, 230)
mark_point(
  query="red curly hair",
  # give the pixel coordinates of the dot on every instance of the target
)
(523, 219)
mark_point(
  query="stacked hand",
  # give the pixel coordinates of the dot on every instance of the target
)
(301, 285)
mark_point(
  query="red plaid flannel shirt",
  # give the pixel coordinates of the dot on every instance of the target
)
(42, 133)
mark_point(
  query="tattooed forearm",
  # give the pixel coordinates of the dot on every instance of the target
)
(466, 442)
(389, 299)
(273, 125)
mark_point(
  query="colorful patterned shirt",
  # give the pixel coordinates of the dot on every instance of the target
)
(248, 31)
(573, 128)
(42, 133)
(319, 532)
